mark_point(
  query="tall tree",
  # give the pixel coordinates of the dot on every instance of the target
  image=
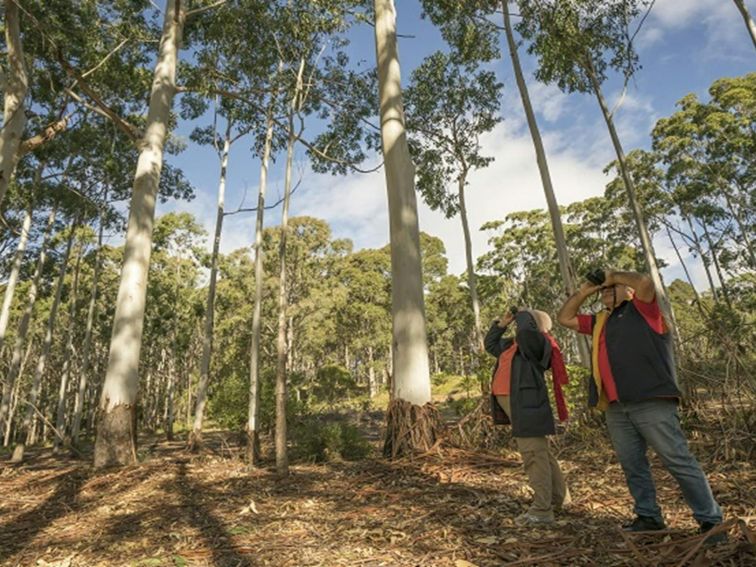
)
(16, 85)
(116, 443)
(565, 265)
(577, 42)
(25, 432)
(10, 286)
(468, 25)
(295, 106)
(195, 438)
(254, 349)
(449, 106)
(86, 353)
(411, 380)
(23, 328)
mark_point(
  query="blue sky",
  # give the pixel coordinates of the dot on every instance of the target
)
(684, 46)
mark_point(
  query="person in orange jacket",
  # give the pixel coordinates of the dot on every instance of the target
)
(519, 388)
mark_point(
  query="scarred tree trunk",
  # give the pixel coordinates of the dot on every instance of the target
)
(411, 423)
(16, 85)
(254, 364)
(195, 439)
(87, 348)
(747, 19)
(23, 328)
(10, 286)
(31, 400)
(471, 279)
(645, 237)
(116, 441)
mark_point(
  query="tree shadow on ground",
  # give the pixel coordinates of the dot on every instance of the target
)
(212, 529)
(17, 533)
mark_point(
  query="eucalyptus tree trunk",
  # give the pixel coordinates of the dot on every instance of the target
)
(282, 456)
(471, 279)
(87, 348)
(31, 400)
(16, 85)
(195, 438)
(565, 264)
(372, 390)
(684, 267)
(254, 356)
(411, 380)
(747, 19)
(60, 413)
(645, 237)
(14, 397)
(702, 255)
(169, 411)
(717, 267)
(23, 328)
(116, 442)
(10, 286)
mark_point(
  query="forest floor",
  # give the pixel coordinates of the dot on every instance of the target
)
(449, 508)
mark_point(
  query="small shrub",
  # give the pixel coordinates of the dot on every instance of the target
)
(331, 442)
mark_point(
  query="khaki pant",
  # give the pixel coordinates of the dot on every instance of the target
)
(544, 475)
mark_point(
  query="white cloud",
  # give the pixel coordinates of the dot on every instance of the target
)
(548, 100)
(725, 31)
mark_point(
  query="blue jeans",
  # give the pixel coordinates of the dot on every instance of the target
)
(633, 426)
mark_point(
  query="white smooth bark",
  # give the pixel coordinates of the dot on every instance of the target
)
(560, 241)
(122, 379)
(10, 286)
(60, 414)
(411, 380)
(471, 278)
(87, 348)
(645, 237)
(207, 339)
(282, 456)
(31, 400)
(23, 328)
(254, 350)
(747, 19)
(16, 85)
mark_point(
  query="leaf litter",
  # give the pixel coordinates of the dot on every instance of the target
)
(450, 507)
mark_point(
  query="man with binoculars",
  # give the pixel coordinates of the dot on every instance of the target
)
(634, 383)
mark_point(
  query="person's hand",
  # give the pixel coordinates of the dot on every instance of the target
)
(587, 288)
(506, 319)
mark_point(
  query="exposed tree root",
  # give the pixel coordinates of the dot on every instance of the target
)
(410, 429)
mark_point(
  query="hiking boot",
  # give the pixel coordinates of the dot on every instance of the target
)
(529, 520)
(720, 537)
(644, 524)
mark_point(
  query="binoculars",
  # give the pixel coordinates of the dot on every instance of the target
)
(596, 276)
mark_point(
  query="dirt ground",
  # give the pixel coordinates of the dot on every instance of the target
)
(450, 508)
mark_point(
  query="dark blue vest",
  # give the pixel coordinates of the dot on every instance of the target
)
(642, 361)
